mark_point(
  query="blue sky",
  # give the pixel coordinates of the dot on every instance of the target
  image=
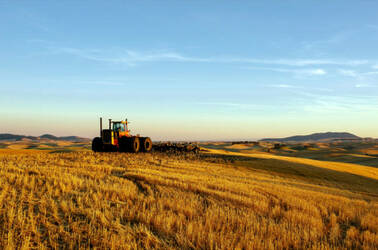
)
(189, 70)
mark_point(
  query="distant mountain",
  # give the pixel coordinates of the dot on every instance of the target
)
(48, 136)
(12, 137)
(16, 137)
(329, 136)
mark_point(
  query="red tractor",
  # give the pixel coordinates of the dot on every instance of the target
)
(118, 138)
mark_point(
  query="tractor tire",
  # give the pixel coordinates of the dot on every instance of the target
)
(145, 144)
(123, 143)
(134, 144)
(110, 148)
(97, 145)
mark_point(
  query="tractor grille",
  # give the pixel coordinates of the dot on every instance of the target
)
(107, 136)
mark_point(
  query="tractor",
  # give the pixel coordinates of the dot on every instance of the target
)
(118, 138)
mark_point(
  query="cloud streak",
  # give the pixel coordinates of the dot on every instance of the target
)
(128, 57)
(350, 73)
(234, 105)
(358, 74)
(371, 73)
(131, 57)
(284, 86)
(309, 72)
(331, 104)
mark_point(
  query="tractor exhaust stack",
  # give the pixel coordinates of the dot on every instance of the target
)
(100, 126)
(110, 124)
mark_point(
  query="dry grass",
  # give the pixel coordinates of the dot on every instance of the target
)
(238, 146)
(370, 172)
(359, 152)
(120, 201)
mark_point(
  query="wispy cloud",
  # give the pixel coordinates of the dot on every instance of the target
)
(358, 74)
(104, 83)
(311, 103)
(301, 62)
(334, 39)
(128, 57)
(309, 72)
(298, 89)
(233, 105)
(284, 86)
(348, 72)
(329, 104)
(363, 85)
(131, 57)
(314, 72)
(371, 73)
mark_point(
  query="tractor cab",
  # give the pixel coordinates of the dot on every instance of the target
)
(117, 130)
(120, 127)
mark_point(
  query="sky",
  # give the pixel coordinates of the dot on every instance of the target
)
(189, 70)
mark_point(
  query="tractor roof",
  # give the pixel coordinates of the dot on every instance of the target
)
(120, 122)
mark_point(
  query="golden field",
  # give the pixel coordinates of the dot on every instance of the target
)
(215, 200)
(363, 152)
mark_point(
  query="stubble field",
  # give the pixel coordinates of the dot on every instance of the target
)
(167, 201)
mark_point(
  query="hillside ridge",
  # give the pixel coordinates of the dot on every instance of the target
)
(14, 137)
(317, 137)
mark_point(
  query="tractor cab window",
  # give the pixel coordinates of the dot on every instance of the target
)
(118, 127)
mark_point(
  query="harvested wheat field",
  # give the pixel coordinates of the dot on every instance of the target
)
(128, 201)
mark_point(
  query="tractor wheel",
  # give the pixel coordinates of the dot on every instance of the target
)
(145, 144)
(134, 144)
(124, 144)
(97, 145)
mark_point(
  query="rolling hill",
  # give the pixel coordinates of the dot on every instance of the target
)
(328, 136)
(13, 137)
